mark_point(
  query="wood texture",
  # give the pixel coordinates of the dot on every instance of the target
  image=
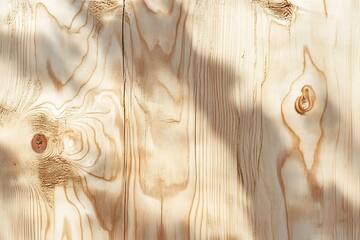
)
(179, 119)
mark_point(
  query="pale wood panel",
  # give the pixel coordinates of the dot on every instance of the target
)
(162, 121)
(61, 77)
(187, 86)
(180, 119)
(316, 172)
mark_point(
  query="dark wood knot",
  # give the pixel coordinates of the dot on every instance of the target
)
(39, 143)
(305, 102)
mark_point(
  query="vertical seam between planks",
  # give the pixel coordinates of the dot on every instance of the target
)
(124, 108)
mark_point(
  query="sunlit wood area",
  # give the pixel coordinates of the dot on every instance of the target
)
(179, 119)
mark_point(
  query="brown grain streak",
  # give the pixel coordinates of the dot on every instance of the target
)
(279, 166)
(195, 160)
(77, 210)
(67, 28)
(57, 83)
(325, 8)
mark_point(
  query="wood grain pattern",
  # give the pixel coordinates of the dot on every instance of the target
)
(179, 119)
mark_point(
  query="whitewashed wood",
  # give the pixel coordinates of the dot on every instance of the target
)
(61, 78)
(180, 119)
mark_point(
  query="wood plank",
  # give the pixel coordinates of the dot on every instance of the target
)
(161, 116)
(61, 78)
(180, 70)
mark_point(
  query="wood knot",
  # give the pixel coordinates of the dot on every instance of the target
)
(282, 10)
(305, 102)
(39, 143)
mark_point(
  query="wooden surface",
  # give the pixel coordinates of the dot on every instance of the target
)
(179, 119)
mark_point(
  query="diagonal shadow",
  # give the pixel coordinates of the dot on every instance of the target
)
(236, 126)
